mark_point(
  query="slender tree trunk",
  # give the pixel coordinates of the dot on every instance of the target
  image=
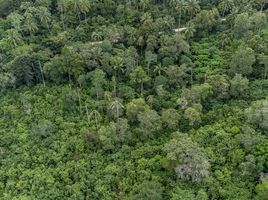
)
(117, 113)
(69, 75)
(42, 74)
(192, 76)
(79, 100)
(97, 123)
(88, 117)
(265, 72)
(180, 20)
(62, 20)
(262, 6)
(141, 88)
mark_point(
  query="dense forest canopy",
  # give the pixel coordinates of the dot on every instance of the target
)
(134, 99)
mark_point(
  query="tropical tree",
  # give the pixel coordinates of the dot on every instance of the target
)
(263, 59)
(193, 114)
(135, 107)
(239, 86)
(14, 37)
(148, 190)
(62, 7)
(96, 36)
(138, 76)
(242, 24)
(242, 61)
(186, 158)
(170, 118)
(150, 58)
(44, 16)
(257, 114)
(181, 7)
(226, 6)
(158, 69)
(190, 30)
(149, 123)
(262, 190)
(98, 81)
(95, 115)
(192, 7)
(117, 63)
(84, 7)
(116, 107)
(30, 24)
(15, 20)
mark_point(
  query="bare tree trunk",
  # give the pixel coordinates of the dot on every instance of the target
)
(262, 6)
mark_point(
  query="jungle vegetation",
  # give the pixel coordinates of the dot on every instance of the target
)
(133, 99)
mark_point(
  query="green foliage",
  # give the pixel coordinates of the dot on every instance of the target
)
(261, 190)
(186, 158)
(93, 91)
(242, 61)
(239, 86)
(257, 114)
(148, 190)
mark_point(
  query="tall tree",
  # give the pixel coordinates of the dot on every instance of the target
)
(263, 59)
(150, 58)
(44, 16)
(186, 158)
(30, 24)
(116, 107)
(192, 7)
(138, 76)
(242, 61)
(14, 37)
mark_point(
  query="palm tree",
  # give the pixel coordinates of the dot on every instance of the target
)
(158, 69)
(225, 6)
(223, 40)
(14, 37)
(190, 30)
(16, 20)
(80, 6)
(146, 17)
(150, 100)
(84, 7)
(117, 63)
(172, 3)
(107, 97)
(30, 24)
(181, 7)
(143, 4)
(44, 15)
(96, 36)
(62, 6)
(116, 107)
(97, 118)
(93, 114)
(75, 5)
(192, 7)
(149, 58)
